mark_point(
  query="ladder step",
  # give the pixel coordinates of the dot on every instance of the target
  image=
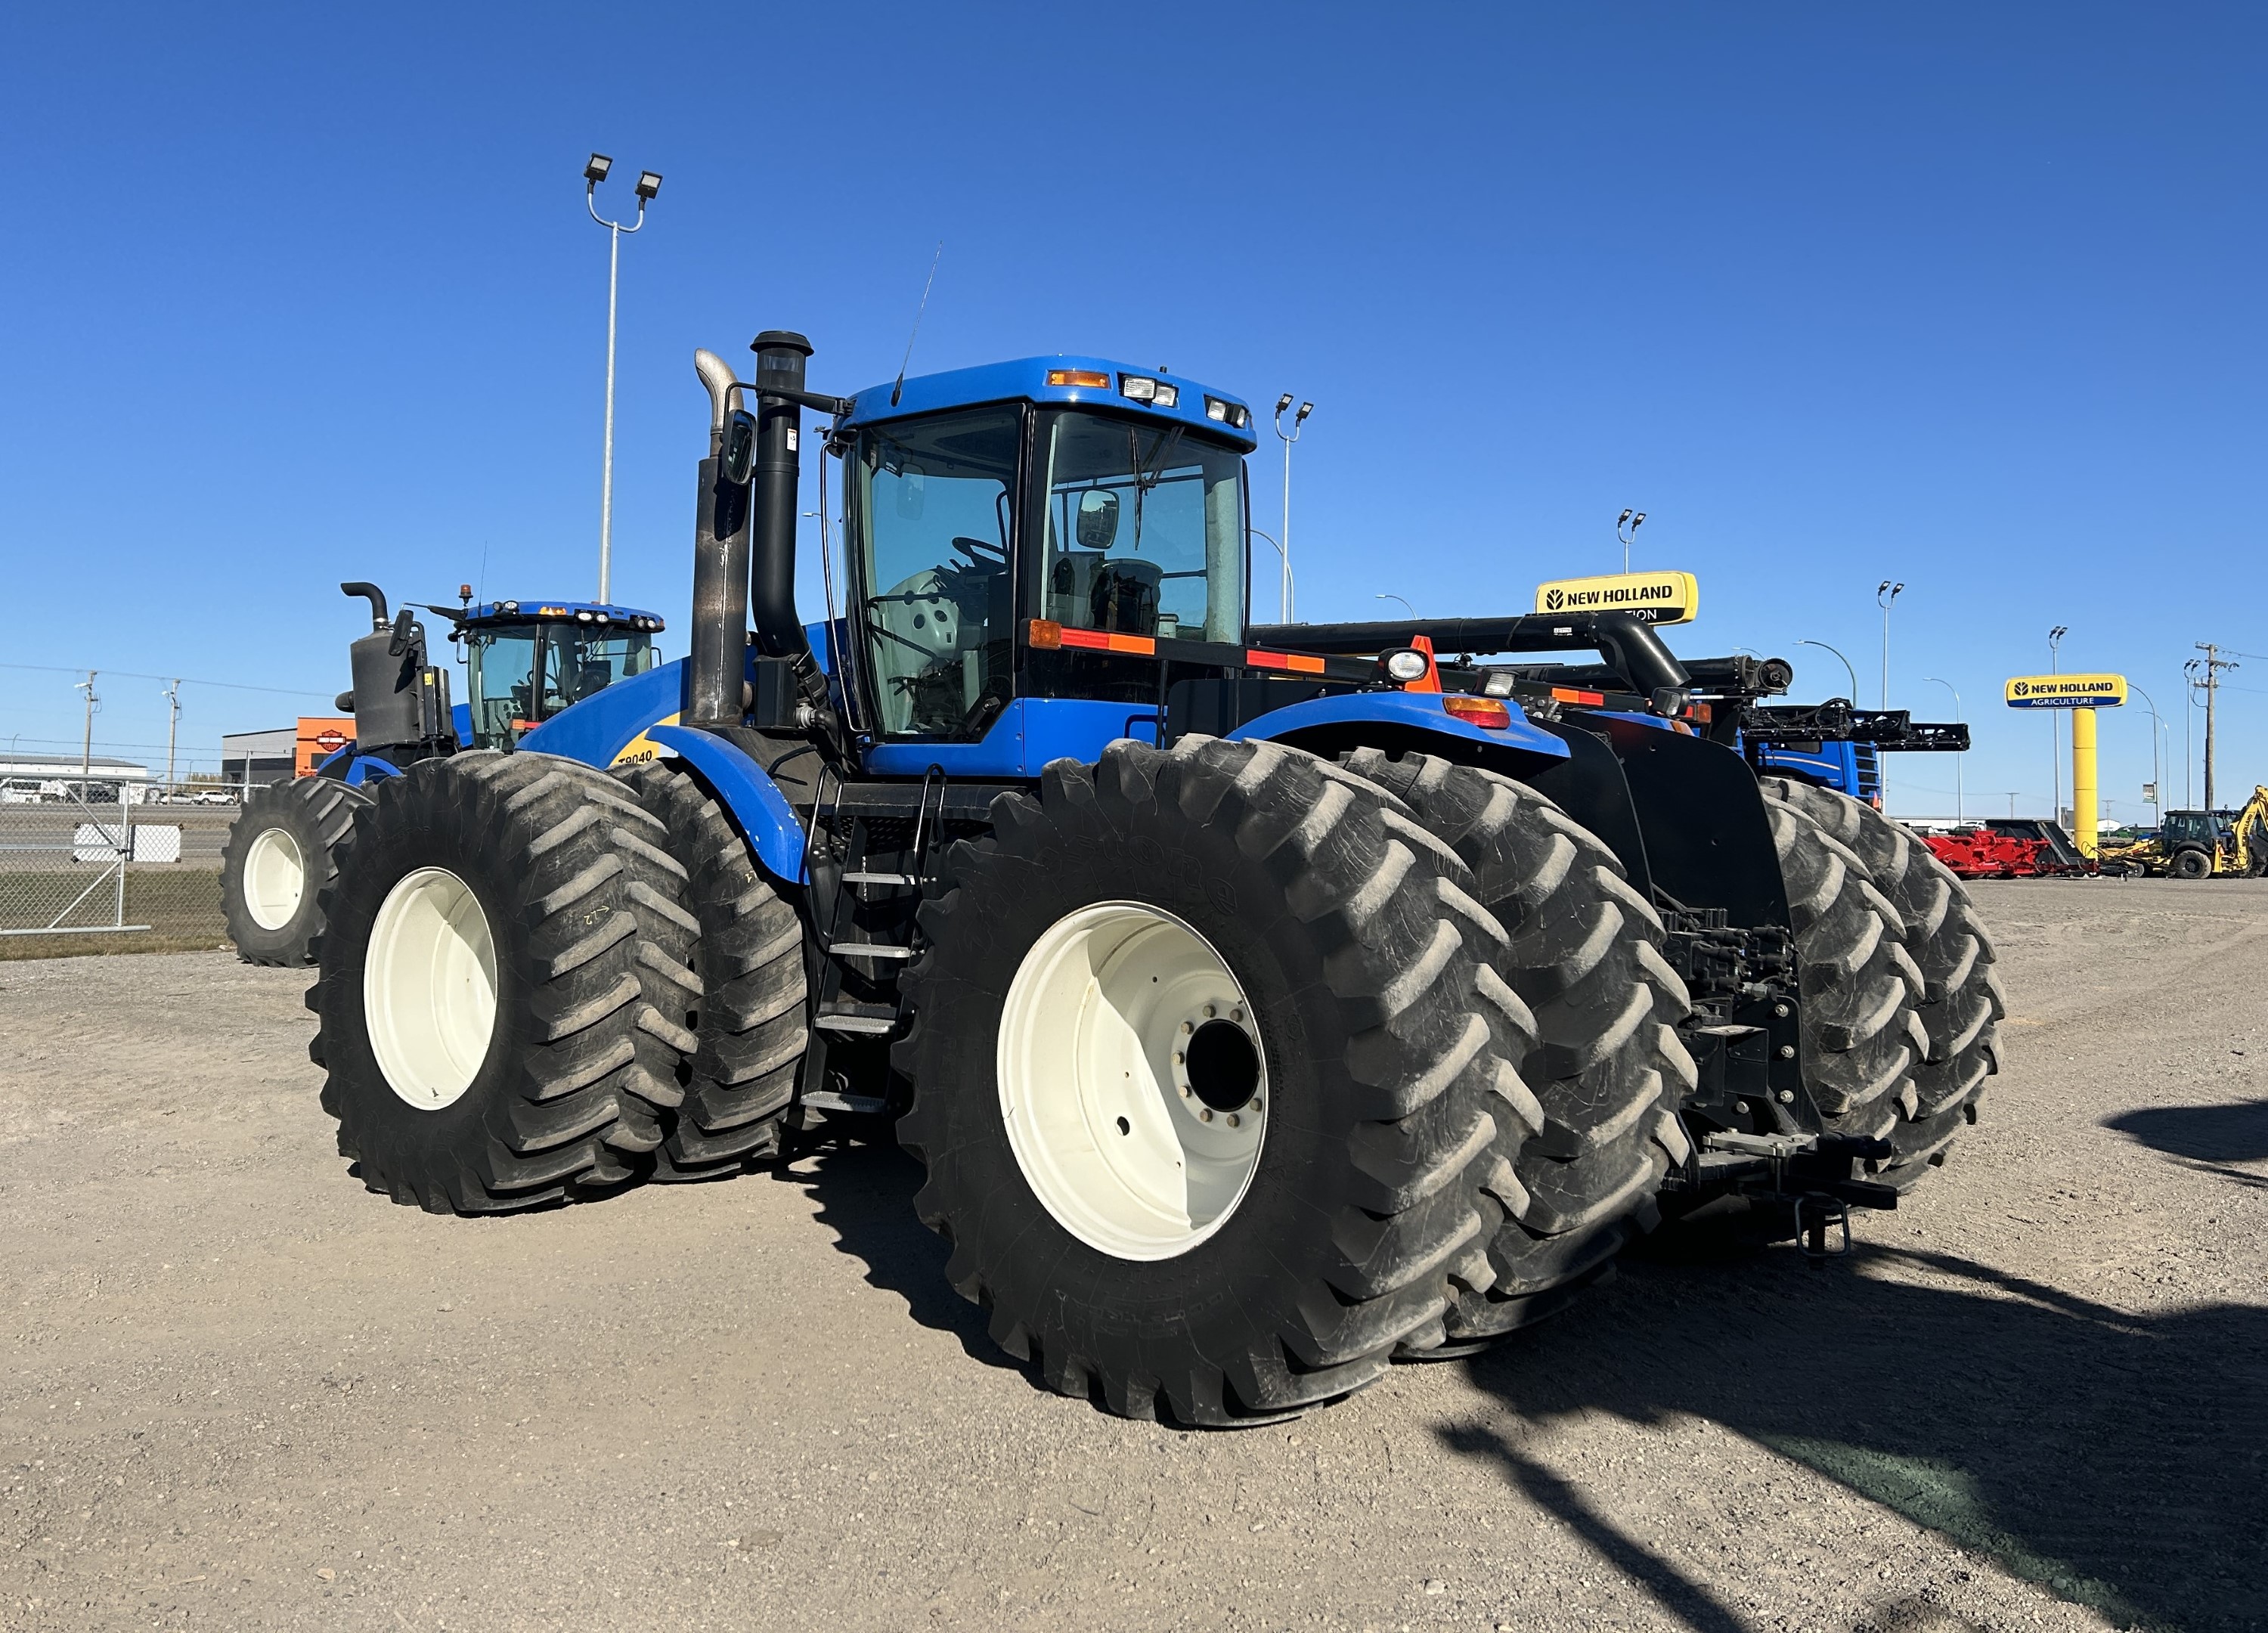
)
(827, 1099)
(868, 950)
(871, 1020)
(880, 879)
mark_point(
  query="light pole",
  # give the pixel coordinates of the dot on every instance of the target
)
(1626, 527)
(1846, 664)
(1884, 596)
(1958, 812)
(2157, 794)
(1284, 545)
(1403, 599)
(649, 183)
(1284, 605)
(2055, 728)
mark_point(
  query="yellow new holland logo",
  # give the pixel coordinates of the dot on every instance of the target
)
(1657, 597)
(2066, 691)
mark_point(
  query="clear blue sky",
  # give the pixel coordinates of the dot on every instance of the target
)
(1969, 297)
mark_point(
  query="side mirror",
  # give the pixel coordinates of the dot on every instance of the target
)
(736, 457)
(1097, 528)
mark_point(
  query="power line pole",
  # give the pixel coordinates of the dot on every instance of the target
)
(2214, 663)
(86, 744)
(172, 696)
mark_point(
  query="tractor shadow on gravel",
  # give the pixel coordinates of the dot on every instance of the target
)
(866, 1195)
(2120, 1461)
(2207, 1138)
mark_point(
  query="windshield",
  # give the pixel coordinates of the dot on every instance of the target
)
(578, 661)
(933, 498)
(1144, 529)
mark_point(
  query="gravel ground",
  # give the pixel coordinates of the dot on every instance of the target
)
(241, 1392)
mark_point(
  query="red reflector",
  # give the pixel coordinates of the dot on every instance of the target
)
(1480, 711)
(1046, 634)
(1298, 663)
(1094, 378)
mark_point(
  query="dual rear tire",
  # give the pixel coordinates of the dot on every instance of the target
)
(282, 852)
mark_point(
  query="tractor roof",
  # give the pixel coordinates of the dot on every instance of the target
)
(485, 613)
(1095, 381)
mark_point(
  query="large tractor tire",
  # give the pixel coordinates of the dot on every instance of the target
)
(1960, 1003)
(1605, 1065)
(503, 999)
(747, 951)
(1861, 1039)
(1211, 1068)
(282, 851)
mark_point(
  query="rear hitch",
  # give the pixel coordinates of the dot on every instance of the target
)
(1813, 1175)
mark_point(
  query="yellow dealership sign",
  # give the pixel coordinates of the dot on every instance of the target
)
(2066, 691)
(1657, 597)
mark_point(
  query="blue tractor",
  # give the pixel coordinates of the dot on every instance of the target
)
(1260, 1011)
(524, 663)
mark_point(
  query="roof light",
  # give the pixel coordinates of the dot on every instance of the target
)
(511, 607)
(1480, 711)
(1167, 395)
(582, 618)
(1140, 387)
(1227, 413)
(1216, 409)
(602, 618)
(1499, 683)
(1408, 664)
(1094, 378)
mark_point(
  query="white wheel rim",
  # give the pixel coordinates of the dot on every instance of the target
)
(275, 878)
(1128, 1151)
(429, 987)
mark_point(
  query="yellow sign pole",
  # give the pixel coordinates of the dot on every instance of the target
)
(2082, 781)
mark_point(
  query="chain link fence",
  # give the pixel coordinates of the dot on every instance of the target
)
(91, 874)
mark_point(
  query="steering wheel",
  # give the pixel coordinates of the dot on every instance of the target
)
(981, 550)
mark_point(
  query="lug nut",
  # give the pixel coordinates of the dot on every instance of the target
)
(1207, 1012)
(1236, 1014)
(1206, 1115)
(1187, 1029)
(1232, 1120)
(1185, 1090)
(1180, 1058)
(1255, 1102)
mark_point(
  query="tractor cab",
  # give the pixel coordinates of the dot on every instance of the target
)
(1043, 529)
(525, 661)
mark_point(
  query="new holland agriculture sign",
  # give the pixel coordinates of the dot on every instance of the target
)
(1657, 597)
(2067, 691)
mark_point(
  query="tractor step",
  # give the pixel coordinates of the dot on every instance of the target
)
(867, 950)
(867, 1019)
(860, 1105)
(880, 879)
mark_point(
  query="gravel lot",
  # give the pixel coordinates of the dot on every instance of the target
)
(241, 1392)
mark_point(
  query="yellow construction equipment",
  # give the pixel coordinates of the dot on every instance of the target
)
(2202, 844)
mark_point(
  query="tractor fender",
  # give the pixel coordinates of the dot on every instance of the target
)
(1402, 722)
(363, 768)
(752, 799)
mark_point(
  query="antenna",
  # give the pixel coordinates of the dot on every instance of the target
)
(898, 386)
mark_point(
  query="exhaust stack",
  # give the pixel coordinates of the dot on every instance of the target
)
(780, 355)
(716, 665)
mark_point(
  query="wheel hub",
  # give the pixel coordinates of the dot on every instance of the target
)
(275, 878)
(430, 988)
(1132, 1081)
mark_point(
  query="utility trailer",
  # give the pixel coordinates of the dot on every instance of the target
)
(1261, 1010)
